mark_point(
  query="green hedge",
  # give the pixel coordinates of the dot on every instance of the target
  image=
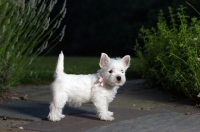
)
(171, 51)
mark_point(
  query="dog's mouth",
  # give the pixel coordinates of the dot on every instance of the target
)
(116, 81)
(119, 83)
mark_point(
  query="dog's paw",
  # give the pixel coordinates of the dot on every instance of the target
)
(107, 118)
(62, 116)
(54, 118)
(110, 113)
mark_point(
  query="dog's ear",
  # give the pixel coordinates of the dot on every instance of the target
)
(126, 61)
(104, 60)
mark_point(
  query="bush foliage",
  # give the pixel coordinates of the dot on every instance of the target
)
(25, 29)
(171, 52)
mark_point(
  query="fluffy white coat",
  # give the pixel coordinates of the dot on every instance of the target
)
(99, 88)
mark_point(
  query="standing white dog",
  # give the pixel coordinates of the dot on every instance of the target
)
(100, 88)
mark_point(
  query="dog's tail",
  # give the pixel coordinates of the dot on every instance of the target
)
(60, 66)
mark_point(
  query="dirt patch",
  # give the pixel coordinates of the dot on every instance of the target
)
(6, 95)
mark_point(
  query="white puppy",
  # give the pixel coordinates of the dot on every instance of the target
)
(100, 88)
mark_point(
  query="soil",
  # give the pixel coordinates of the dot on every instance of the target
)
(5, 95)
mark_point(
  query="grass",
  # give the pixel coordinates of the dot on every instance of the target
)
(41, 72)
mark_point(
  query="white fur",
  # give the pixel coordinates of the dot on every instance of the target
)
(78, 89)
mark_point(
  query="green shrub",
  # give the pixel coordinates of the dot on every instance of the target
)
(171, 51)
(25, 29)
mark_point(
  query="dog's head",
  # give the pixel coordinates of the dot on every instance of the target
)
(113, 70)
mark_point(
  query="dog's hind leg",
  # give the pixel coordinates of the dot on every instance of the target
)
(56, 107)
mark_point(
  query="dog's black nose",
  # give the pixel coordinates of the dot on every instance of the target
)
(118, 78)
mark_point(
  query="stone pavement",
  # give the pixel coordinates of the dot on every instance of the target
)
(136, 109)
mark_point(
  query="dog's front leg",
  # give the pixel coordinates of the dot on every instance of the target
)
(101, 106)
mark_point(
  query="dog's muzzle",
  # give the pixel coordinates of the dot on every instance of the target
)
(118, 78)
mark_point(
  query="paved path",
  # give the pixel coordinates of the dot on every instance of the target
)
(136, 109)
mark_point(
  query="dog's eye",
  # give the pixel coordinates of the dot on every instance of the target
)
(122, 71)
(110, 71)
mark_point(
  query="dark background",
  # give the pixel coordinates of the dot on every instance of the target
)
(110, 26)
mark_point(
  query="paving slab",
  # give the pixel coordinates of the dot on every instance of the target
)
(33, 93)
(32, 110)
(135, 108)
(6, 122)
(126, 120)
(83, 121)
(160, 122)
